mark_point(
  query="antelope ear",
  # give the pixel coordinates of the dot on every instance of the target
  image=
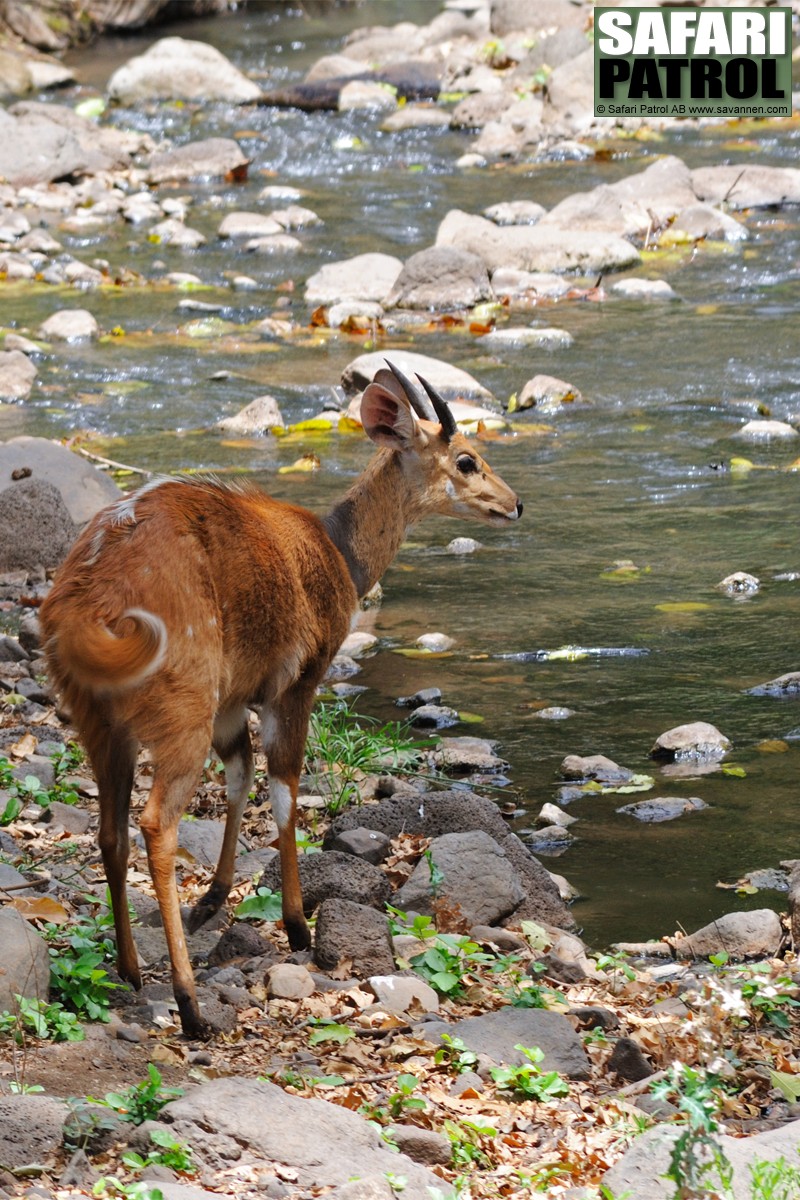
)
(387, 418)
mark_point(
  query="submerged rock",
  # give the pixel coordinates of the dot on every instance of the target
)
(258, 417)
(209, 158)
(17, 375)
(662, 808)
(536, 247)
(739, 583)
(544, 392)
(784, 687)
(697, 741)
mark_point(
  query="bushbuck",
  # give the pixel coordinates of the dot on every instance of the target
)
(189, 602)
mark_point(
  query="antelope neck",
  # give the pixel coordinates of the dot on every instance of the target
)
(369, 523)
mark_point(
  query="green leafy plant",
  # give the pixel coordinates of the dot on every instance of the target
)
(330, 1031)
(470, 1139)
(528, 1079)
(402, 1100)
(455, 1054)
(140, 1189)
(774, 1180)
(263, 905)
(769, 995)
(445, 964)
(615, 965)
(143, 1101)
(30, 790)
(48, 1021)
(170, 1153)
(81, 983)
(697, 1162)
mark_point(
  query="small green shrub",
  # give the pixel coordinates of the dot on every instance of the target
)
(143, 1101)
(50, 1022)
(528, 1080)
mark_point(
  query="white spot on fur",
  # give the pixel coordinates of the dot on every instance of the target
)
(189, 631)
(450, 490)
(280, 797)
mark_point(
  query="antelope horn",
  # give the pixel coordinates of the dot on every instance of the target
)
(443, 414)
(420, 403)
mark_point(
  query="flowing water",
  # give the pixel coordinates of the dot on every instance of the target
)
(639, 472)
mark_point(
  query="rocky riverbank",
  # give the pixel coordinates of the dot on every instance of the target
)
(402, 1031)
(410, 1044)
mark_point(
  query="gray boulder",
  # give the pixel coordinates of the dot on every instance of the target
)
(327, 1145)
(69, 325)
(179, 69)
(354, 933)
(258, 417)
(476, 878)
(39, 146)
(441, 277)
(32, 1129)
(36, 529)
(364, 277)
(639, 1174)
(532, 16)
(569, 97)
(334, 875)
(757, 933)
(25, 969)
(441, 813)
(496, 1034)
(705, 221)
(83, 489)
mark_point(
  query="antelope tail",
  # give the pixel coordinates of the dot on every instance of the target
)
(103, 661)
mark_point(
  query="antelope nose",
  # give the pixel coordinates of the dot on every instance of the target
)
(519, 509)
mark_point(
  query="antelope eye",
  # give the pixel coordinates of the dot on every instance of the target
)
(466, 464)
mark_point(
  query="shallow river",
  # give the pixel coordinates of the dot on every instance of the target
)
(638, 472)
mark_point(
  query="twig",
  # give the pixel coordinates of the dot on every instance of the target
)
(20, 887)
(642, 1085)
(109, 462)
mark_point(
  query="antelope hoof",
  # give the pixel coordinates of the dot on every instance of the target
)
(206, 907)
(194, 1027)
(298, 933)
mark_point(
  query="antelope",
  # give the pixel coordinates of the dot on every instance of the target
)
(187, 603)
